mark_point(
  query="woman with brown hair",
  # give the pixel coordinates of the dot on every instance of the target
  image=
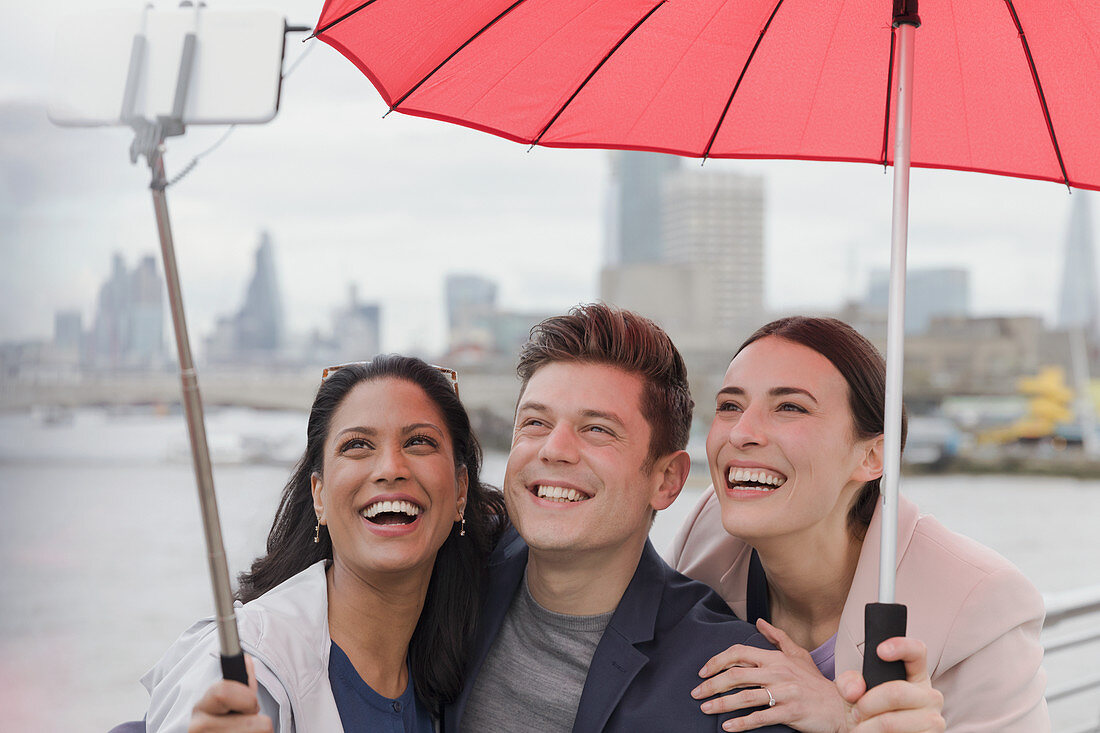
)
(789, 536)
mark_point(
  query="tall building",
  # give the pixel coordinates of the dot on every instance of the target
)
(634, 206)
(68, 338)
(939, 292)
(714, 222)
(260, 320)
(357, 329)
(128, 329)
(256, 332)
(1078, 304)
(703, 280)
(146, 313)
(111, 327)
(471, 307)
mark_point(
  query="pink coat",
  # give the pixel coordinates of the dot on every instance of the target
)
(976, 612)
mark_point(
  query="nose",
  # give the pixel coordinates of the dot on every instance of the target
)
(390, 464)
(559, 446)
(749, 429)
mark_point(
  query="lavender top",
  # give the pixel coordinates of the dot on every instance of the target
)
(825, 657)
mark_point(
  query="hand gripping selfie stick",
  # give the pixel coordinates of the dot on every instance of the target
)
(887, 619)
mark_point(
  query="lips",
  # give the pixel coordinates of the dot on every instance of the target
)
(391, 511)
(560, 494)
(754, 478)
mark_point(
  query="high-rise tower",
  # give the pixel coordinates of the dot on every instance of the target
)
(635, 211)
(260, 320)
(1078, 305)
(714, 221)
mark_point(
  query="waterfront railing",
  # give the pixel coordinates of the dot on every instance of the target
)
(1082, 607)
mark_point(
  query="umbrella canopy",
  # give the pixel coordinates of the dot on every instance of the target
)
(1000, 86)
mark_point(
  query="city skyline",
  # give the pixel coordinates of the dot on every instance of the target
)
(395, 205)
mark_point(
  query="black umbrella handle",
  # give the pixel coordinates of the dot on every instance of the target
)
(882, 621)
(233, 668)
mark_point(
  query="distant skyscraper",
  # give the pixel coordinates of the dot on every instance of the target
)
(713, 221)
(128, 330)
(256, 331)
(929, 293)
(634, 216)
(110, 330)
(146, 313)
(358, 328)
(260, 320)
(700, 270)
(1078, 305)
(471, 306)
(68, 330)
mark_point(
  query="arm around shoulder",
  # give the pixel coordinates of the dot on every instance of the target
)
(990, 672)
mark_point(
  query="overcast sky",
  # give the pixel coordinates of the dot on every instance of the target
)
(393, 205)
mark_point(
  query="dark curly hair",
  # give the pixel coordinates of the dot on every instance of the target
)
(443, 635)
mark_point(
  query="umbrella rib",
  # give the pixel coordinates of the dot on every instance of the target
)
(341, 19)
(454, 53)
(1039, 89)
(592, 73)
(741, 76)
(889, 96)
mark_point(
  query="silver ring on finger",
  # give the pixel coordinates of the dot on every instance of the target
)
(771, 698)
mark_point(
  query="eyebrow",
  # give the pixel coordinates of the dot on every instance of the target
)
(598, 414)
(405, 430)
(773, 392)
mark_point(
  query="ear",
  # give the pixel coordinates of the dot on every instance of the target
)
(318, 500)
(463, 490)
(673, 472)
(871, 464)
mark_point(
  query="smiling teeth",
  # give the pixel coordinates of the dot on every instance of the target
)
(396, 507)
(756, 476)
(557, 493)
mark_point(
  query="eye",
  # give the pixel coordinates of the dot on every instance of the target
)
(531, 423)
(792, 407)
(355, 444)
(422, 440)
(728, 406)
(600, 429)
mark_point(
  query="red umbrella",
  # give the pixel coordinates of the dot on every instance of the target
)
(995, 86)
(1000, 86)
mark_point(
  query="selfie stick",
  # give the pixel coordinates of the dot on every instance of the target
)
(149, 142)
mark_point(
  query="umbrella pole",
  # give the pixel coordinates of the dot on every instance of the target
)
(232, 658)
(886, 618)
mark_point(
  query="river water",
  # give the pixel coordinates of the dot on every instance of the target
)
(103, 564)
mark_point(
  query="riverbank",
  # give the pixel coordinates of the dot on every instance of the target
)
(1071, 466)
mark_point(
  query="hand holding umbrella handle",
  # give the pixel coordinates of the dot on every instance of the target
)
(882, 621)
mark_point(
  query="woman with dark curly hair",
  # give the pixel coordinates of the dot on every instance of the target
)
(360, 615)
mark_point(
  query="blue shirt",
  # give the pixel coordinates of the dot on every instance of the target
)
(363, 709)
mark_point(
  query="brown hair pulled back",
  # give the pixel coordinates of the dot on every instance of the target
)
(864, 370)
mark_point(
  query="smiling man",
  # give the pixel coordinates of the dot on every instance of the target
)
(585, 628)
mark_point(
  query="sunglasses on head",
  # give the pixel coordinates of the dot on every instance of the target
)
(451, 374)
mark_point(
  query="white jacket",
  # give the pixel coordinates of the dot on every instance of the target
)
(285, 631)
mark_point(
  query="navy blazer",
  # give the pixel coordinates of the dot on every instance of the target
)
(648, 660)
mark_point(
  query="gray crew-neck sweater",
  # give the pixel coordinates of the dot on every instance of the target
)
(534, 673)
